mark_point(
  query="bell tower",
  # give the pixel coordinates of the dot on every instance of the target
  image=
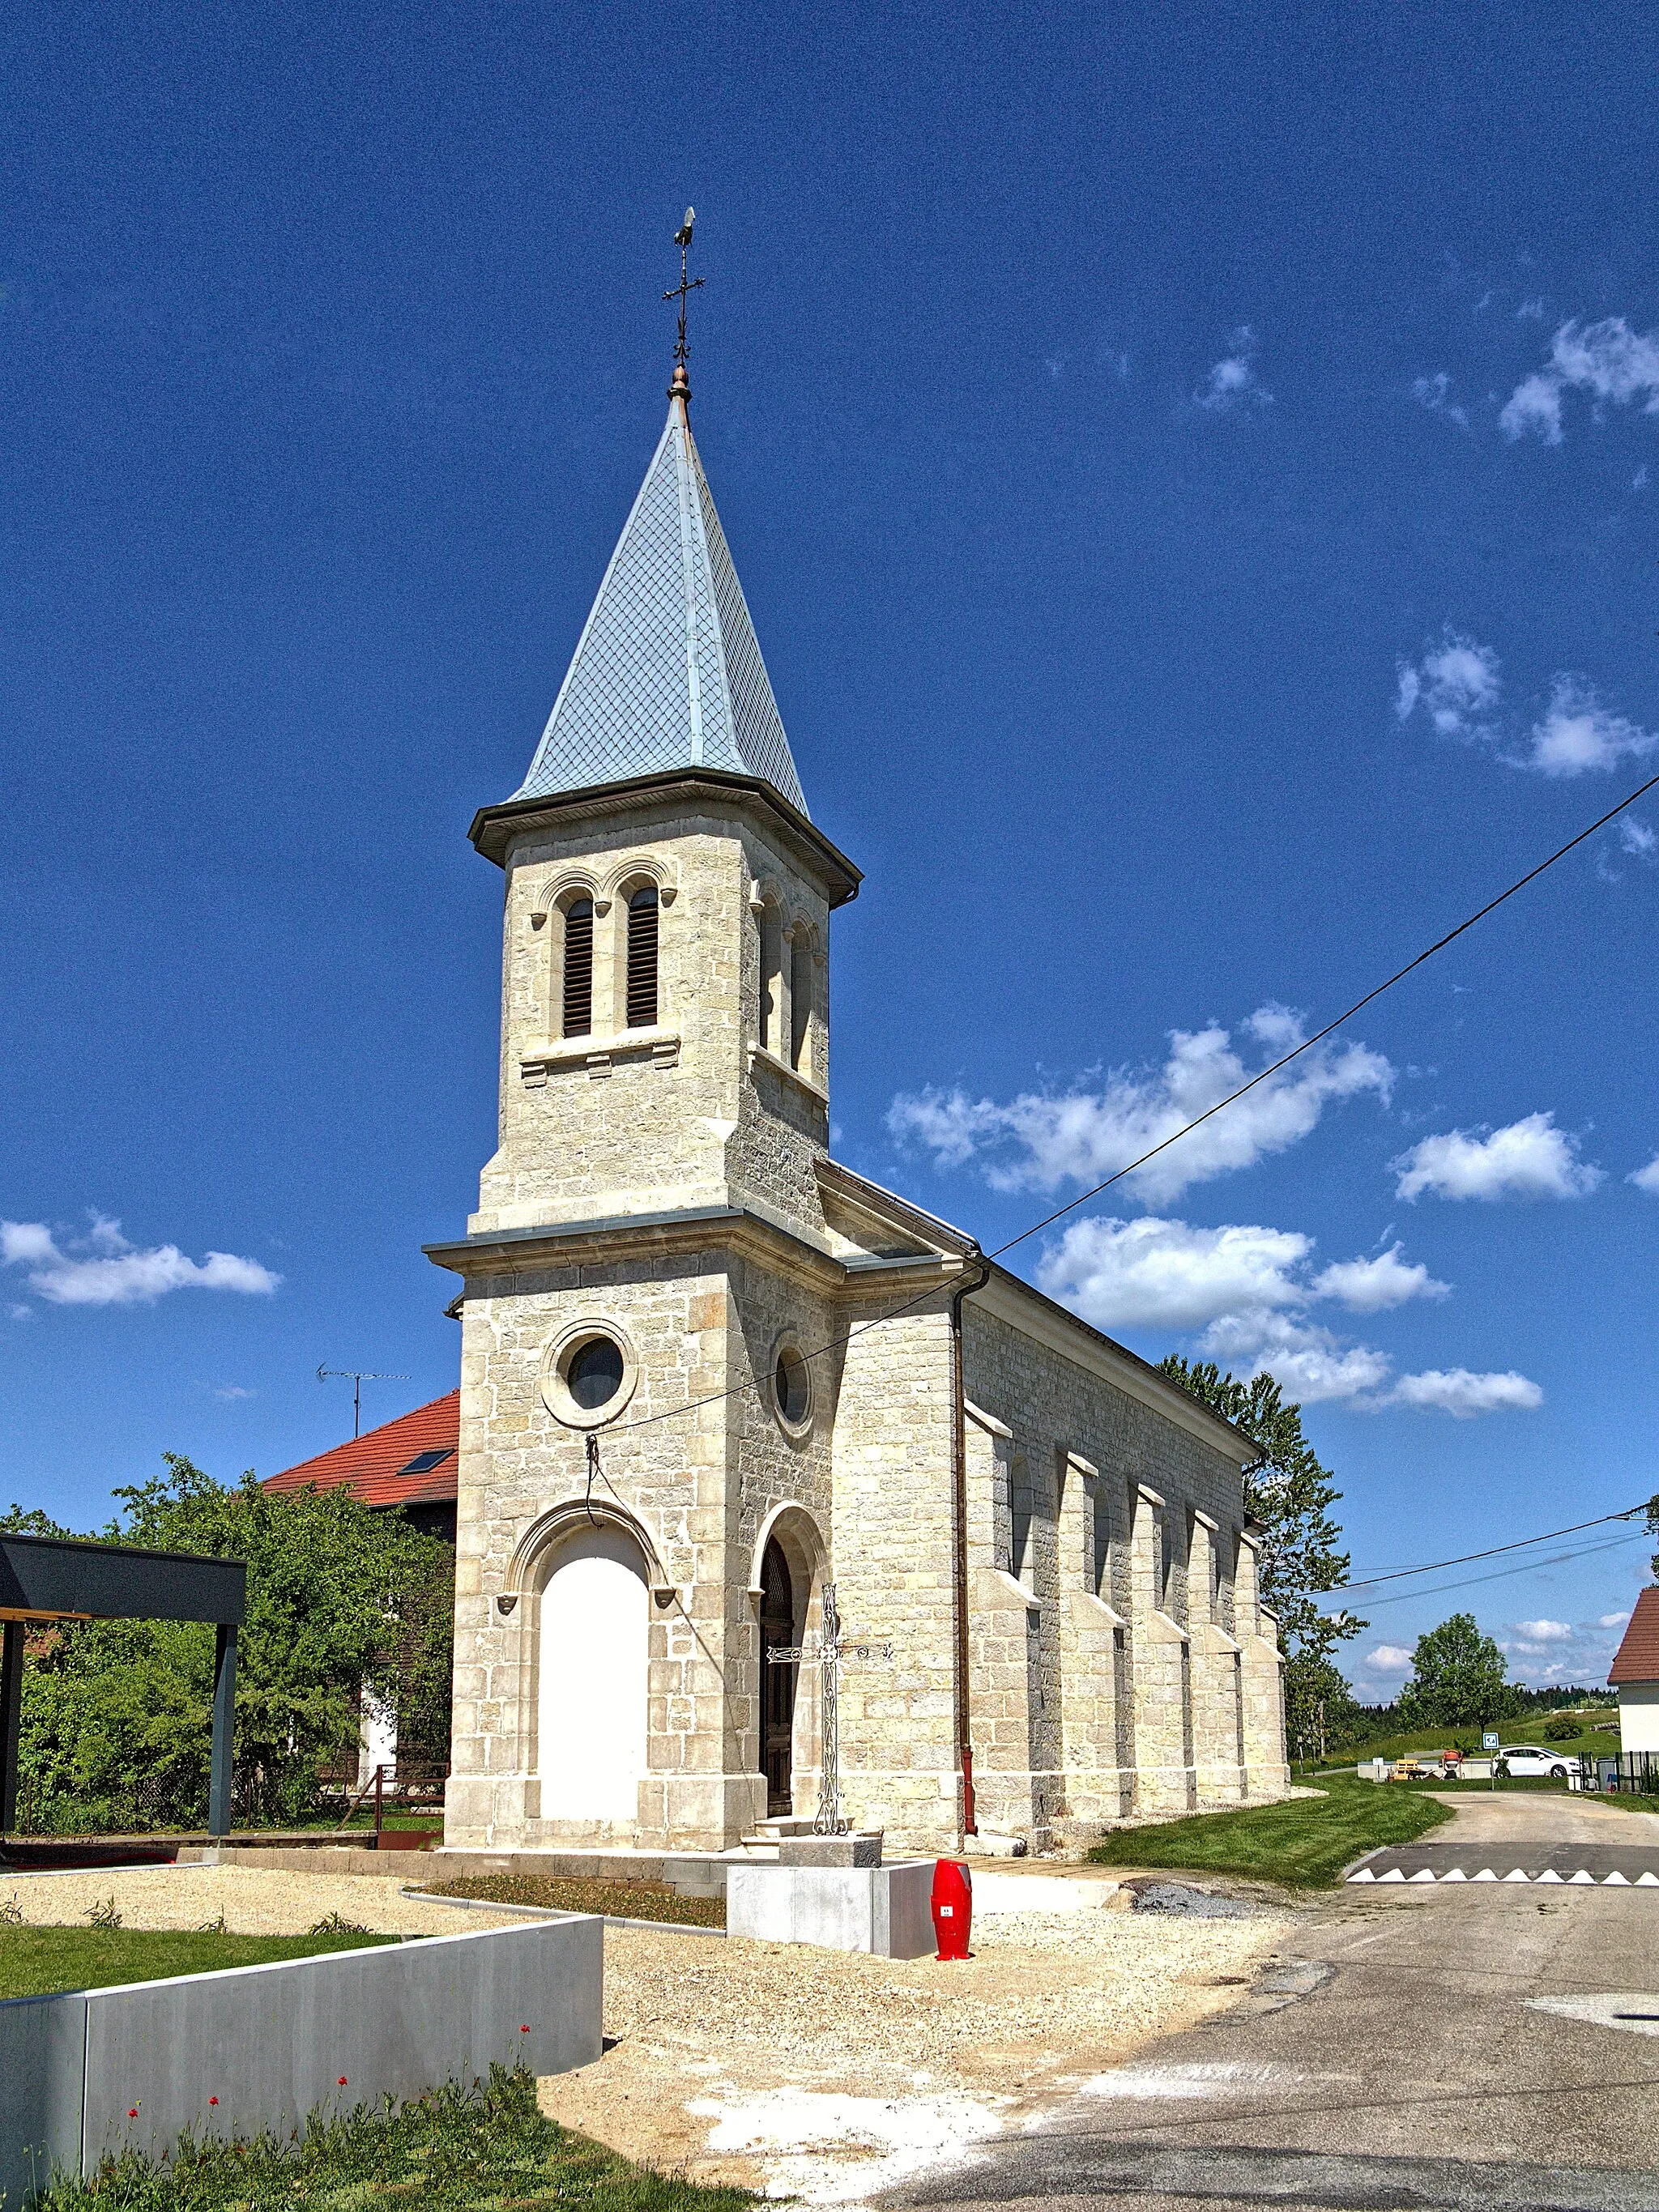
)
(666, 1004)
(650, 1249)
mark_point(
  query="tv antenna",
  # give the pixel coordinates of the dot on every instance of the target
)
(358, 1376)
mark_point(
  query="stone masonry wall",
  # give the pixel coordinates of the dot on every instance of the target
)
(1123, 1588)
(895, 1577)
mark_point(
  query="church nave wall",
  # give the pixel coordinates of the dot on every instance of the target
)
(1103, 1539)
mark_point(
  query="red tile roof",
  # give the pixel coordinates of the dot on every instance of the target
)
(371, 1466)
(1637, 1659)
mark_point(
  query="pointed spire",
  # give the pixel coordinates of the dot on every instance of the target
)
(667, 672)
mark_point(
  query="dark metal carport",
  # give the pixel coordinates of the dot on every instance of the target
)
(46, 1578)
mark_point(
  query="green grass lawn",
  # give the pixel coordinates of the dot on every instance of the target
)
(1596, 1737)
(493, 2152)
(1303, 1844)
(623, 1900)
(36, 1961)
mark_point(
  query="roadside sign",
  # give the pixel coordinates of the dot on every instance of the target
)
(1489, 1740)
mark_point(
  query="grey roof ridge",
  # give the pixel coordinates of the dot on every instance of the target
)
(1144, 1369)
(837, 1171)
(1165, 1389)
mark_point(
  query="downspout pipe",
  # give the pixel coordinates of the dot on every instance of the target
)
(976, 1273)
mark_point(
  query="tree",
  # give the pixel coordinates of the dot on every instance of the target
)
(116, 1714)
(1290, 1493)
(1458, 1677)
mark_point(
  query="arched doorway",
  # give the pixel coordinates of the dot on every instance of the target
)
(591, 1708)
(777, 1689)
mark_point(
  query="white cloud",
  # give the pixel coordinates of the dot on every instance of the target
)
(1456, 1392)
(102, 1268)
(1388, 1659)
(1041, 1140)
(232, 1391)
(1637, 839)
(1646, 1178)
(1158, 1274)
(1530, 311)
(1546, 1652)
(1374, 1286)
(1456, 683)
(1530, 1159)
(1577, 733)
(1312, 1365)
(1614, 364)
(1434, 392)
(1233, 383)
(1247, 1289)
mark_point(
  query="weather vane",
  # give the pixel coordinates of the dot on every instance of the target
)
(683, 240)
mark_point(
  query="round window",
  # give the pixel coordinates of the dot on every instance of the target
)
(793, 1382)
(594, 1373)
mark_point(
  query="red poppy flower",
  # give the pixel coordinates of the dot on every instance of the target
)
(213, 2100)
(342, 2080)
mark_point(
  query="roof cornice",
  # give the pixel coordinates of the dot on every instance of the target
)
(1011, 1299)
(495, 828)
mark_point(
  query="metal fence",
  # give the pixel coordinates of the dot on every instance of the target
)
(1633, 1771)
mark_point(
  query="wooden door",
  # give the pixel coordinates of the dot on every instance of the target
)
(777, 1624)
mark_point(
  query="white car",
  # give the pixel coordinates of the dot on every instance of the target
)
(1521, 1759)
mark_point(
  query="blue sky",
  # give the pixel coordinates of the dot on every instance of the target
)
(1193, 471)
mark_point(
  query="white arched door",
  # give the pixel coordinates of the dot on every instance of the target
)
(594, 1659)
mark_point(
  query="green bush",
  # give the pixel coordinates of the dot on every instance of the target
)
(116, 1714)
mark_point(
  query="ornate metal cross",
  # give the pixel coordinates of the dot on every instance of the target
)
(683, 240)
(830, 1651)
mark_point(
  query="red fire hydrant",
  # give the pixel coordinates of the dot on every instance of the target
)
(953, 1907)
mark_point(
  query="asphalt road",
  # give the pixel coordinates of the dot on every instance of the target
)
(1402, 2055)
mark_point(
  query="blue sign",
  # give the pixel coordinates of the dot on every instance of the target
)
(1489, 1740)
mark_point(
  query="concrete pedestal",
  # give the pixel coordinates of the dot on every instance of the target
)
(862, 1851)
(883, 1909)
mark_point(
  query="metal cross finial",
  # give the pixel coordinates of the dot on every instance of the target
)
(832, 1649)
(682, 239)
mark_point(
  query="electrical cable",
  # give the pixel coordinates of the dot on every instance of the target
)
(1319, 1035)
(1463, 1559)
(752, 1383)
(1498, 1575)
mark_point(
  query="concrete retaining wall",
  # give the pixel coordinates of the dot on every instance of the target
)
(885, 1909)
(97, 2071)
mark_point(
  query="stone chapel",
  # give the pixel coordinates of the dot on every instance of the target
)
(706, 1370)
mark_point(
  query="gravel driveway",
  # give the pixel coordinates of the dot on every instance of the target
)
(831, 2075)
(253, 1902)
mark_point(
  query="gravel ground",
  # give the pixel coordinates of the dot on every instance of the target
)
(832, 2075)
(254, 1903)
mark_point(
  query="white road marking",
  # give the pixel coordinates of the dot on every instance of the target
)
(1632, 2010)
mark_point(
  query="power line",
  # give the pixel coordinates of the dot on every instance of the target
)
(1464, 1558)
(1498, 1575)
(1318, 1037)
(735, 1390)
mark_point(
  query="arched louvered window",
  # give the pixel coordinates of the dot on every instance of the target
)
(800, 1003)
(577, 981)
(769, 929)
(643, 958)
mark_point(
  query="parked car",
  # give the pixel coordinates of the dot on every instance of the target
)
(1524, 1759)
